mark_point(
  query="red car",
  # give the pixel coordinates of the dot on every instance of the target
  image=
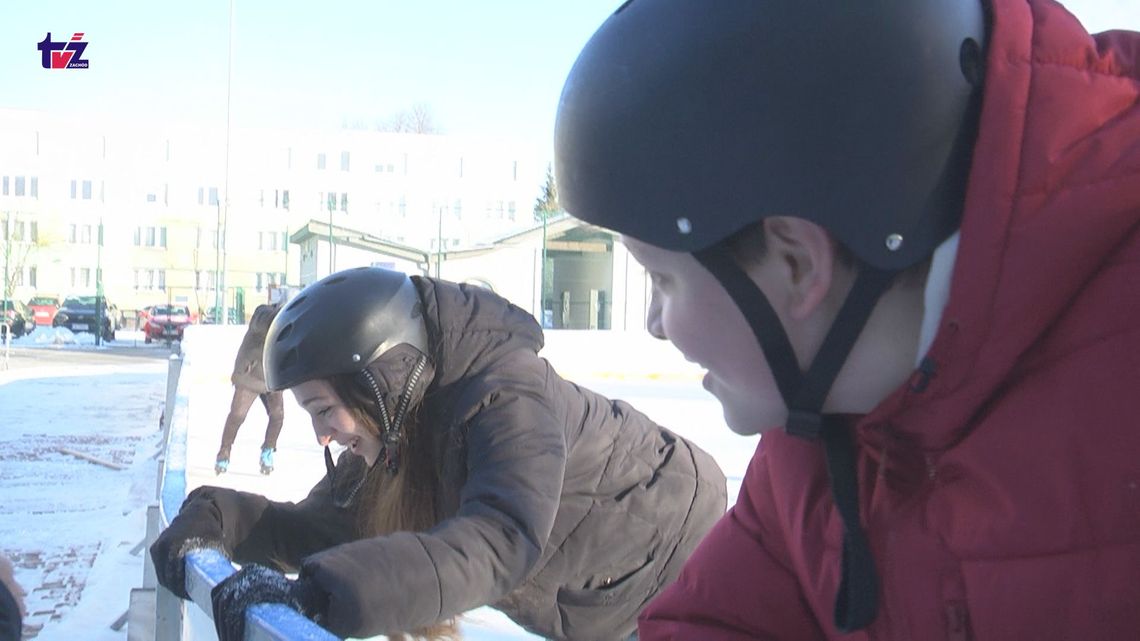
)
(166, 322)
(44, 309)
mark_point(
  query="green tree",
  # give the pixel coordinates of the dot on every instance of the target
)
(546, 205)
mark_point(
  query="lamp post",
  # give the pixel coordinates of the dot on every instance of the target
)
(439, 243)
(7, 257)
(99, 302)
(542, 285)
(332, 204)
(218, 266)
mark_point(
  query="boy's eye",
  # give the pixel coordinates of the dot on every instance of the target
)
(324, 412)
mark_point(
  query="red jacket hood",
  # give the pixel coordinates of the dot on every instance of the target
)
(1024, 257)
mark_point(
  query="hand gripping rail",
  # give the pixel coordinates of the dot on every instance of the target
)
(264, 622)
(207, 568)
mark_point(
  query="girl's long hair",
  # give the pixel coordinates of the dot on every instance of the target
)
(400, 502)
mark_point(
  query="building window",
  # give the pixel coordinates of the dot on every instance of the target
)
(153, 279)
(320, 161)
(35, 187)
(79, 234)
(344, 202)
(5, 188)
(281, 199)
(213, 196)
(86, 190)
(32, 276)
(81, 277)
(344, 161)
(511, 210)
(150, 237)
(19, 186)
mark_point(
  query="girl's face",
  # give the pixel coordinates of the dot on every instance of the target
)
(334, 421)
(691, 309)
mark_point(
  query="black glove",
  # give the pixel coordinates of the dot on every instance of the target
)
(255, 584)
(198, 526)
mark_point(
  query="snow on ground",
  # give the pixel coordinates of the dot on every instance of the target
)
(71, 525)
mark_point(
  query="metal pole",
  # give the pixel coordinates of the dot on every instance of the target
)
(439, 243)
(331, 199)
(542, 285)
(4, 326)
(218, 266)
(99, 302)
(7, 257)
(226, 220)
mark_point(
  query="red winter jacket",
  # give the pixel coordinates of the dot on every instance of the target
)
(1002, 500)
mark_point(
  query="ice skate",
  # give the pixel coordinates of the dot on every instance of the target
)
(266, 460)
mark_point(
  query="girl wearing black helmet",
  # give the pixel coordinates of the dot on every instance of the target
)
(474, 475)
(922, 287)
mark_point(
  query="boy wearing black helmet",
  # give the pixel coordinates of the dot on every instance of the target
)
(474, 475)
(907, 232)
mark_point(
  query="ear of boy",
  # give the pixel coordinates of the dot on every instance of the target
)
(800, 265)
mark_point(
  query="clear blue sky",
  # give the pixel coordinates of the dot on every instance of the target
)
(491, 67)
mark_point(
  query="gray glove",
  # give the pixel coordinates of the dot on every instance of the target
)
(255, 584)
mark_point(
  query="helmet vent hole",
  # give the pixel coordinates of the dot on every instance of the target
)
(296, 302)
(622, 7)
(972, 62)
(334, 280)
(284, 333)
(684, 225)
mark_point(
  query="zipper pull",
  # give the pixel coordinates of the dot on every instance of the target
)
(921, 378)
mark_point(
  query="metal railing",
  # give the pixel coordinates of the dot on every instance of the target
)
(205, 568)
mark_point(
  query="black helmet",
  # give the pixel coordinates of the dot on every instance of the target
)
(683, 121)
(341, 323)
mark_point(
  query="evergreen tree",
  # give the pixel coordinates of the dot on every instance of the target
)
(546, 205)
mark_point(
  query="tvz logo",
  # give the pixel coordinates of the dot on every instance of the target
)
(63, 55)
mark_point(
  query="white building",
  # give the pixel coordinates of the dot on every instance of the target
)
(159, 193)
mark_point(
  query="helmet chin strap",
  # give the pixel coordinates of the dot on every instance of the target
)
(856, 604)
(393, 425)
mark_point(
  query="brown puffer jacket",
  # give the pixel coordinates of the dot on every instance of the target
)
(563, 509)
(248, 370)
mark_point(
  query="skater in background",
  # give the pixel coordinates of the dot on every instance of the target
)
(248, 379)
(474, 475)
(907, 232)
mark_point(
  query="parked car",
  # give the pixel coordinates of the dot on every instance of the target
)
(166, 322)
(233, 316)
(18, 318)
(44, 309)
(78, 314)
